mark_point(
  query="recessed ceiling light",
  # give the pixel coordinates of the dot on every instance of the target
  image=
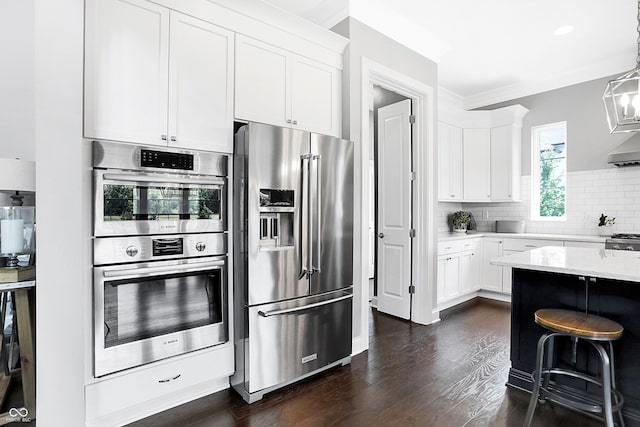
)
(565, 29)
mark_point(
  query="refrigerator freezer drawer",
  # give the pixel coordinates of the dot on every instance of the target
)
(292, 338)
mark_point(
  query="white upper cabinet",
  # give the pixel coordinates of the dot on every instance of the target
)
(315, 96)
(484, 163)
(282, 88)
(126, 70)
(477, 164)
(155, 76)
(200, 85)
(262, 82)
(505, 163)
(449, 162)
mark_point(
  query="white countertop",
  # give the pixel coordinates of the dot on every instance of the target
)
(569, 237)
(603, 263)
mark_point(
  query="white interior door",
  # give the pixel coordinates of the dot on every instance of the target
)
(394, 209)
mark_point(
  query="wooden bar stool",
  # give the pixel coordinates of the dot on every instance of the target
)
(592, 329)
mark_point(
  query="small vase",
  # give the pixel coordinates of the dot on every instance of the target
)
(460, 228)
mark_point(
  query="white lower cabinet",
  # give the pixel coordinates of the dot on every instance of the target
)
(497, 278)
(492, 277)
(459, 266)
(125, 397)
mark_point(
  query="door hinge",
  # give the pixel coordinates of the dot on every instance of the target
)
(412, 119)
(412, 289)
(412, 176)
(412, 233)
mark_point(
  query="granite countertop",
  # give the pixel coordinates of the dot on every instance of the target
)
(603, 263)
(570, 237)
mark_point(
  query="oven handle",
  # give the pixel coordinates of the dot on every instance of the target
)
(302, 307)
(162, 179)
(181, 268)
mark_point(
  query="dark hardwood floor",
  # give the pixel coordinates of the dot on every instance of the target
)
(452, 373)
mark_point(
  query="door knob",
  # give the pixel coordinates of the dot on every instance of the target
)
(381, 235)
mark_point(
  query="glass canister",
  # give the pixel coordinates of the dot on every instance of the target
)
(17, 232)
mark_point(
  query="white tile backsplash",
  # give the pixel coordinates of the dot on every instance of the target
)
(614, 192)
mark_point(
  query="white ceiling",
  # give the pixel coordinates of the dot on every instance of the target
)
(496, 50)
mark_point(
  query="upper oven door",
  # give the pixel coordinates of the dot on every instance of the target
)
(132, 203)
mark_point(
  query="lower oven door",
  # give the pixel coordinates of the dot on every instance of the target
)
(145, 312)
(292, 338)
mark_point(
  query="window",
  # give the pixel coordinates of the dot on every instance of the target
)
(549, 171)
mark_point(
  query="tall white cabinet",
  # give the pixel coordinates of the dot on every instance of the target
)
(282, 88)
(505, 163)
(476, 145)
(450, 162)
(156, 76)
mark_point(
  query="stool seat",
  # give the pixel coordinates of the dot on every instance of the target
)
(582, 325)
(598, 333)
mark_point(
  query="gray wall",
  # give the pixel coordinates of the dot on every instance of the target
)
(368, 43)
(580, 105)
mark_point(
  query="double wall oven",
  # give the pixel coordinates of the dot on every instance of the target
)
(160, 253)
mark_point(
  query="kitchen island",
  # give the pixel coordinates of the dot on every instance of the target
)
(606, 282)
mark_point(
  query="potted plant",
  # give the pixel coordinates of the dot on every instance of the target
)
(460, 220)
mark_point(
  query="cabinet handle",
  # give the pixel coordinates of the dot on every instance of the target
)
(173, 138)
(581, 278)
(530, 246)
(288, 120)
(295, 122)
(163, 137)
(453, 195)
(168, 380)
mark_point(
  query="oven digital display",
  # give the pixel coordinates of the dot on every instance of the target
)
(164, 160)
(162, 247)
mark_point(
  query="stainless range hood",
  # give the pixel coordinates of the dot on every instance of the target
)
(627, 153)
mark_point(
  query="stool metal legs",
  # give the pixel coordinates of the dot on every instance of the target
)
(542, 373)
(537, 373)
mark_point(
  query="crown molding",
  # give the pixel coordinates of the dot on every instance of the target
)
(544, 84)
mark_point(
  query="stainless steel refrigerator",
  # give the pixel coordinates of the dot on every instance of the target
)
(293, 212)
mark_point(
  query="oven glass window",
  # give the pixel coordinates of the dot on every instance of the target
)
(135, 202)
(137, 309)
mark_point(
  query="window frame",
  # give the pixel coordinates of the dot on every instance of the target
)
(535, 171)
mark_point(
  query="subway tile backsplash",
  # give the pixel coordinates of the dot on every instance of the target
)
(614, 192)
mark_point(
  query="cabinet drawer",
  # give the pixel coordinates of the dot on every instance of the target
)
(527, 244)
(121, 392)
(450, 246)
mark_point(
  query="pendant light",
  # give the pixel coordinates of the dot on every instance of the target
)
(622, 97)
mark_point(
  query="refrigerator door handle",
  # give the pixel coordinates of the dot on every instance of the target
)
(315, 267)
(302, 307)
(305, 238)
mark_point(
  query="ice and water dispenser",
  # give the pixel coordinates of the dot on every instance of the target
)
(276, 219)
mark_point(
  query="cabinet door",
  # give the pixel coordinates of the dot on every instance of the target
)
(448, 280)
(315, 96)
(201, 85)
(502, 164)
(449, 162)
(476, 267)
(262, 82)
(477, 178)
(492, 277)
(467, 277)
(506, 274)
(126, 71)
